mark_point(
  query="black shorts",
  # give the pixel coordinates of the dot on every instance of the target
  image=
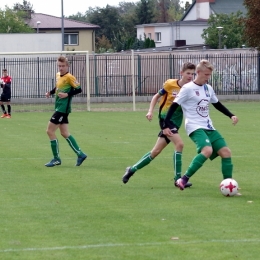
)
(5, 98)
(59, 118)
(173, 127)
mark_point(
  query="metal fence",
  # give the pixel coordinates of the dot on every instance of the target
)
(111, 75)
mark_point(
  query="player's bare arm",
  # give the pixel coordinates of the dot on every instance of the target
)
(153, 102)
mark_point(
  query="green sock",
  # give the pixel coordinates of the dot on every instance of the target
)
(73, 144)
(146, 154)
(146, 159)
(227, 167)
(196, 163)
(177, 164)
(55, 148)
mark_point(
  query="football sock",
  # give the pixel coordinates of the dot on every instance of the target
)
(73, 144)
(196, 163)
(146, 154)
(227, 167)
(55, 148)
(177, 163)
(3, 109)
(146, 159)
(9, 109)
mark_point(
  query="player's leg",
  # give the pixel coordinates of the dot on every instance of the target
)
(145, 159)
(64, 130)
(51, 129)
(2, 100)
(204, 149)
(177, 155)
(8, 103)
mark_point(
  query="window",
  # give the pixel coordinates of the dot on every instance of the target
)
(158, 37)
(149, 35)
(71, 39)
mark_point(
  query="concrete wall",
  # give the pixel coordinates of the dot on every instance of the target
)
(30, 42)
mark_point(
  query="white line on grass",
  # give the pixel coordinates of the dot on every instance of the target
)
(136, 244)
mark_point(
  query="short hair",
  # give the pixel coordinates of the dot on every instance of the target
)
(188, 66)
(4, 70)
(204, 64)
(63, 59)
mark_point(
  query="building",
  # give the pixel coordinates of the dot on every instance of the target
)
(188, 30)
(78, 36)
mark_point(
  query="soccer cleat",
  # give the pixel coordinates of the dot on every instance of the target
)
(128, 174)
(53, 163)
(187, 185)
(8, 116)
(81, 159)
(3, 115)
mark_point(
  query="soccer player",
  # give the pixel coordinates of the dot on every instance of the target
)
(66, 87)
(166, 95)
(6, 94)
(195, 98)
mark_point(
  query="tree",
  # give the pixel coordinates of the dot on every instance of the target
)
(231, 34)
(13, 22)
(252, 23)
(145, 11)
(26, 8)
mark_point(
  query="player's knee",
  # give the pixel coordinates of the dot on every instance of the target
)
(224, 152)
(179, 146)
(207, 151)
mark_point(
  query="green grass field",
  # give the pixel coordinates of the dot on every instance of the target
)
(86, 212)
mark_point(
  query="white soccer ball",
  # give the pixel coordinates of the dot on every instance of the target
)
(228, 187)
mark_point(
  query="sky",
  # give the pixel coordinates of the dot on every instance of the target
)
(70, 7)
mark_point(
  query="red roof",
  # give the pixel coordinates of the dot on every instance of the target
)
(53, 22)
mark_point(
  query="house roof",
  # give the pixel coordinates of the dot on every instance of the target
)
(49, 22)
(176, 23)
(228, 7)
(222, 7)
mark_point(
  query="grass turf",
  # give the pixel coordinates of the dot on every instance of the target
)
(86, 212)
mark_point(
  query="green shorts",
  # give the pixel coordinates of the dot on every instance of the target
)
(213, 138)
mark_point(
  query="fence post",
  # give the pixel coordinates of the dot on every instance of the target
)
(95, 75)
(240, 73)
(258, 74)
(139, 73)
(38, 78)
(170, 66)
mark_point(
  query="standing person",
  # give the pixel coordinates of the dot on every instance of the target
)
(195, 98)
(167, 94)
(6, 94)
(66, 87)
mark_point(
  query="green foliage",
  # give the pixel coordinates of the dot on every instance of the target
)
(252, 23)
(13, 22)
(145, 11)
(231, 34)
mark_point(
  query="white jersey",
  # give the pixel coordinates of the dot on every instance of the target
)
(195, 100)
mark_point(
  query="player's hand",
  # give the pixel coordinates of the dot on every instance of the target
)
(234, 119)
(47, 94)
(167, 132)
(149, 115)
(62, 95)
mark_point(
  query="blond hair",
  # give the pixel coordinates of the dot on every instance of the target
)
(204, 64)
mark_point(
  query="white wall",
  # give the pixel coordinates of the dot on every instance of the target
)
(192, 34)
(30, 42)
(165, 36)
